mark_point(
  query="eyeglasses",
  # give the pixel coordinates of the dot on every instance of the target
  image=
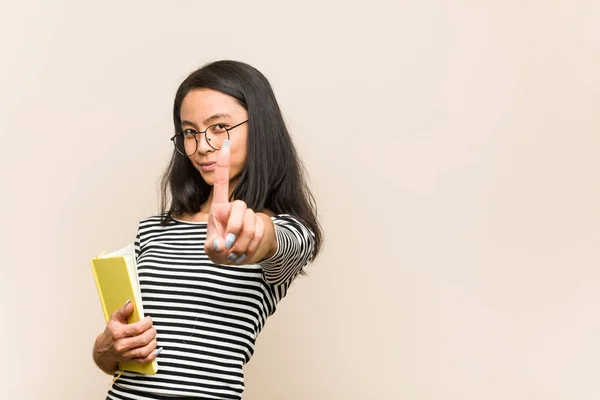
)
(186, 141)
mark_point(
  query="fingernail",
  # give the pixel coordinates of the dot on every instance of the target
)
(226, 144)
(240, 259)
(229, 239)
(158, 351)
(216, 245)
(127, 302)
(232, 256)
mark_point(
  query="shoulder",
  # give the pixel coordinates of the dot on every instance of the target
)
(268, 212)
(153, 223)
(151, 220)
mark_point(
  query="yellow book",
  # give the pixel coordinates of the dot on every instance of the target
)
(117, 281)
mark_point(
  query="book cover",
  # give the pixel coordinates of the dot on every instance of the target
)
(116, 279)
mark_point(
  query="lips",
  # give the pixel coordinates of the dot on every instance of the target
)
(208, 166)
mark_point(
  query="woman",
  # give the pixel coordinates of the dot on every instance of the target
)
(237, 224)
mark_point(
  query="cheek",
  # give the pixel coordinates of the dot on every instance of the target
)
(237, 163)
(239, 157)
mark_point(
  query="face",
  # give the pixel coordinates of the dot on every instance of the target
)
(202, 108)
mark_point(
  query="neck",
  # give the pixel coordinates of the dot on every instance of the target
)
(202, 215)
(205, 208)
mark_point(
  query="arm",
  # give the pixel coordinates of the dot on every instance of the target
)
(291, 248)
(106, 364)
(281, 244)
(238, 235)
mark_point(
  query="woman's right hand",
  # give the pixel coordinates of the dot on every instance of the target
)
(121, 341)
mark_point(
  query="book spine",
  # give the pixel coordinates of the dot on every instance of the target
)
(96, 280)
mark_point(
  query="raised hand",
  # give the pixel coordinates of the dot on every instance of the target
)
(235, 232)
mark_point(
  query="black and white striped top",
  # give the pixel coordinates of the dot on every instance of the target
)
(207, 316)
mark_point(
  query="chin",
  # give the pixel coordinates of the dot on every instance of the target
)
(208, 177)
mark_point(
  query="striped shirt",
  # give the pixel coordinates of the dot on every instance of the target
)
(207, 316)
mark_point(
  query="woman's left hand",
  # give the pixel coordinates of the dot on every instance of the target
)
(236, 234)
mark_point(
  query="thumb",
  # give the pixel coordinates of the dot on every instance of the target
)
(122, 313)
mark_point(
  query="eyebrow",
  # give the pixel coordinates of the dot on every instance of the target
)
(207, 120)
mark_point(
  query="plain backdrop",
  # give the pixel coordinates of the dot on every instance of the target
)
(452, 147)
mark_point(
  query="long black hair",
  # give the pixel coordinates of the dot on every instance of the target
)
(273, 177)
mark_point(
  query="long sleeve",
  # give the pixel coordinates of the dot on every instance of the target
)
(137, 244)
(295, 249)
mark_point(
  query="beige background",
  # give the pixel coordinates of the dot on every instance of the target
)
(453, 149)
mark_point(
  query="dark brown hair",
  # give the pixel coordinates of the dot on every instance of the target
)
(273, 177)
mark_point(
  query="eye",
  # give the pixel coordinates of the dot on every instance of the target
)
(219, 128)
(189, 132)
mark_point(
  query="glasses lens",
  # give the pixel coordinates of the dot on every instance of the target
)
(216, 136)
(185, 144)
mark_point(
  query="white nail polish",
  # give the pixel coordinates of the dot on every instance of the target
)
(229, 240)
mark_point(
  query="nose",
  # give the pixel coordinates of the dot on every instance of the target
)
(203, 147)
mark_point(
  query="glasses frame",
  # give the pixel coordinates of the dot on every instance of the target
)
(181, 133)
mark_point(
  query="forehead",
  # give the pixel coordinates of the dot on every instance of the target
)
(200, 104)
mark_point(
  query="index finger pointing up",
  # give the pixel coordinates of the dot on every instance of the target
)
(221, 185)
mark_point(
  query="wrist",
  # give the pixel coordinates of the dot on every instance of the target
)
(102, 358)
(268, 245)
